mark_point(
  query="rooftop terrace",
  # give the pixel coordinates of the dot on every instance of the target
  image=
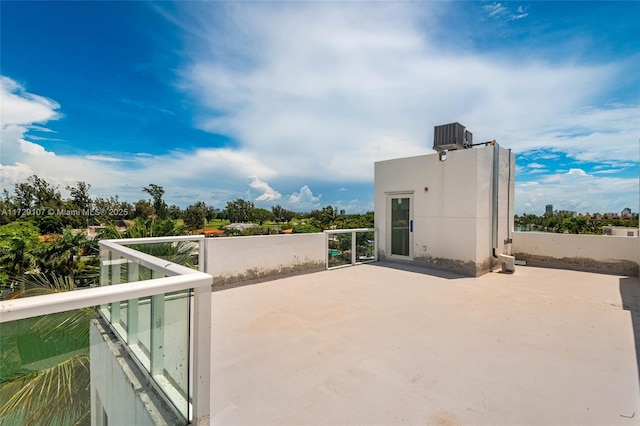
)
(384, 343)
(387, 344)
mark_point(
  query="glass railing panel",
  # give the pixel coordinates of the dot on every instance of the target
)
(350, 247)
(141, 346)
(170, 355)
(365, 247)
(339, 249)
(45, 369)
(105, 279)
(183, 253)
(42, 356)
(156, 328)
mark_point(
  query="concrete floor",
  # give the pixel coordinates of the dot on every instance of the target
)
(376, 345)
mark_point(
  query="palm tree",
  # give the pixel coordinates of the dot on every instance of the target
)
(182, 252)
(58, 258)
(44, 364)
(18, 240)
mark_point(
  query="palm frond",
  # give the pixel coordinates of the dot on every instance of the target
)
(183, 253)
(68, 326)
(54, 396)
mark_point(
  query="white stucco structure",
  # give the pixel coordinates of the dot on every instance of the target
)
(448, 222)
(236, 259)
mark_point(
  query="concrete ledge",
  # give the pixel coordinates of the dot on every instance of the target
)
(256, 275)
(468, 268)
(596, 253)
(618, 267)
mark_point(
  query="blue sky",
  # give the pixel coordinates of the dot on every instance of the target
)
(291, 103)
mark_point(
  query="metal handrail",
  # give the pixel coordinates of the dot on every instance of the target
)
(160, 265)
(347, 231)
(27, 307)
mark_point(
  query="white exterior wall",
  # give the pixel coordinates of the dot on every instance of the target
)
(118, 389)
(236, 259)
(452, 206)
(597, 252)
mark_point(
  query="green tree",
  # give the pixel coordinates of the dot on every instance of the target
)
(261, 215)
(194, 217)
(159, 205)
(7, 208)
(143, 228)
(324, 218)
(36, 192)
(174, 212)
(209, 211)
(49, 223)
(305, 229)
(80, 195)
(239, 210)
(352, 221)
(18, 241)
(281, 214)
(59, 257)
(143, 209)
(108, 209)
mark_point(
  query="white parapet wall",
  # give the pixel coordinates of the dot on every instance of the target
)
(234, 260)
(590, 252)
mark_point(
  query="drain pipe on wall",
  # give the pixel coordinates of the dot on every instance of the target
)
(509, 240)
(494, 209)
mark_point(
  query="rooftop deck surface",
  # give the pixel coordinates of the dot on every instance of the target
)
(381, 345)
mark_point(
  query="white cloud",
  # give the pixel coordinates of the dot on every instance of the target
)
(498, 10)
(360, 84)
(304, 200)
(577, 191)
(268, 194)
(316, 92)
(607, 172)
(354, 206)
(103, 158)
(577, 172)
(536, 166)
(34, 149)
(23, 108)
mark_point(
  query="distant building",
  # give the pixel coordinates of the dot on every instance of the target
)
(343, 212)
(620, 231)
(548, 209)
(626, 212)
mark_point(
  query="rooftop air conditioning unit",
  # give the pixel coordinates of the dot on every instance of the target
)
(451, 136)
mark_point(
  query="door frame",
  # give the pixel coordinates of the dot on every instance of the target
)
(388, 225)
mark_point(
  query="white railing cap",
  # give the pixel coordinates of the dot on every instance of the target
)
(346, 231)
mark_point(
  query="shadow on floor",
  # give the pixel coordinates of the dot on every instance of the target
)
(630, 292)
(419, 269)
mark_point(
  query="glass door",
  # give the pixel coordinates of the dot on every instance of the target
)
(401, 226)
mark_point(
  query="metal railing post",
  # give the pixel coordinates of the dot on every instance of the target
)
(201, 372)
(353, 248)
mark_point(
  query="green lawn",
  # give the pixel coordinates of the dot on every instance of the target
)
(217, 223)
